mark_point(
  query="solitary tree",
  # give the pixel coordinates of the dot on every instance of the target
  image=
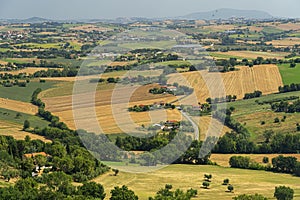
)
(284, 193)
(205, 184)
(226, 181)
(116, 171)
(122, 193)
(26, 125)
(207, 177)
(230, 188)
(268, 135)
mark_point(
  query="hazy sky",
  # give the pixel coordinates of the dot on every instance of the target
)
(86, 9)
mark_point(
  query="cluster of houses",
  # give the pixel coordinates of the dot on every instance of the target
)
(38, 170)
(168, 125)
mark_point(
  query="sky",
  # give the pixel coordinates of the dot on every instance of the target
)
(107, 9)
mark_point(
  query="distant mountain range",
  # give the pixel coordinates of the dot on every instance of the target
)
(226, 13)
(223, 13)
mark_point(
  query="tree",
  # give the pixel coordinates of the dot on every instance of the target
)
(116, 171)
(92, 189)
(40, 160)
(226, 181)
(268, 135)
(284, 193)
(122, 193)
(292, 65)
(230, 188)
(26, 125)
(265, 160)
(205, 184)
(207, 177)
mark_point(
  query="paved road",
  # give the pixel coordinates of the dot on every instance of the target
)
(195, 126)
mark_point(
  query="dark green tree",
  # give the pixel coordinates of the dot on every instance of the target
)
(122, 193)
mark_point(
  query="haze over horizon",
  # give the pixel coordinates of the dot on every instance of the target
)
(95, 9)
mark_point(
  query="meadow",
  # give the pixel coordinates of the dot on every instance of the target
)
(191, 176)
(289, 75)
(12, 117)
(24, 93)
(251, 115)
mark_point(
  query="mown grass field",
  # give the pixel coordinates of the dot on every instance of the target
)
(24, 93)
(11, 116)
(190, 176)
(289, 75)
(249, 113)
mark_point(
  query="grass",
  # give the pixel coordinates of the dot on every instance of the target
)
(191, 176)
(10, 116)
(24, 93)
(224, 56)
(174, 62)
(251, 115)
(271, 30)
(139, 45)
(42, 46)
(289, 75)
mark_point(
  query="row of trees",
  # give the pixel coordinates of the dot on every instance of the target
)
(289, 88)
(285, 106)
(280, 164)
(252, 95)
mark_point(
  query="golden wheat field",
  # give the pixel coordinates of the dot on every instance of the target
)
(289, 26)
(18, 106)
(15, 130)
(111, 117)
(28, 70)
(285, 42)
(90, 28)
(210, 127)
(265, 78)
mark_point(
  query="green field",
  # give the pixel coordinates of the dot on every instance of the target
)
(159, 44)
(42, 46)
(289, 75)
(223, 56)
(191, 176)
(270, 29)
(251, 115)
(24, 93)
(10, 116)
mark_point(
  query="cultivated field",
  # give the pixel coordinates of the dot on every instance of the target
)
(210, 127)
(15, 130)
(287, 42)
(28, 70)
(249, 54)
(288, 26)
(265, 78)
(190, 176)
(106, 114)
(18, 106)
